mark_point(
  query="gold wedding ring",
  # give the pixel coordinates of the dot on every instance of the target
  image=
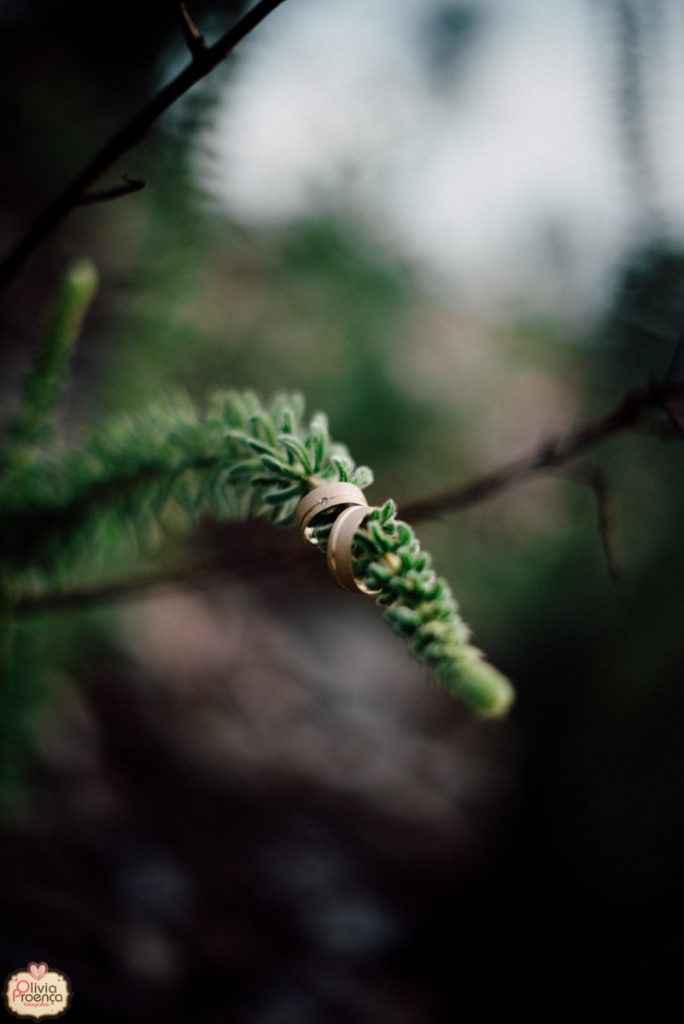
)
(321, 499)
(339, 549)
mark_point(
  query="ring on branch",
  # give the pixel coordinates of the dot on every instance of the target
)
(322, 499)
(339, 551)
(353, 510)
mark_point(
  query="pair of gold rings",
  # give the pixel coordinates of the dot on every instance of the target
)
(354, 510)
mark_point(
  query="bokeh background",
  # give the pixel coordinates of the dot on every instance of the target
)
(458, 228)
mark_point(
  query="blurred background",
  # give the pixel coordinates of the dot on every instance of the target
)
(458, 228)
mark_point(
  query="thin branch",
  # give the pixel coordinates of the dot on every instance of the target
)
(594, 478)
(193, 37)
(105, 195)
(129, 136)
(80, 598)
(244, 550)
(605, 507)
(551, 455)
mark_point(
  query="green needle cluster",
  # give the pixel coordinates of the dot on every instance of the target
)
(139, 479)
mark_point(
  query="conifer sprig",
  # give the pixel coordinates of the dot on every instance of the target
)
(420, 607)
(64, 515)
(141, 477)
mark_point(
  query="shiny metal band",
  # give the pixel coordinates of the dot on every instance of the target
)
(339, 549)
(322, 499)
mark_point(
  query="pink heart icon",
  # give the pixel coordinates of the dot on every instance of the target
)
(38, 970)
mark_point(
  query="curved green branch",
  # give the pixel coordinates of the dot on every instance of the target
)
(140, 478)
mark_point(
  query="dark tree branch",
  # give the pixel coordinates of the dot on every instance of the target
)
(79, 598)
(105, 195)
(605, 507)
(129, 136)
(594, 478)
(551, 455)
(247, 550)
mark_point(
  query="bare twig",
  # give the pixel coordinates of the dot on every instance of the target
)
(605, 505)
(238, 550)
(192, 35)
(550, 455)
(78, 598)
(129, 136)
(105, 195)
(594, 478)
